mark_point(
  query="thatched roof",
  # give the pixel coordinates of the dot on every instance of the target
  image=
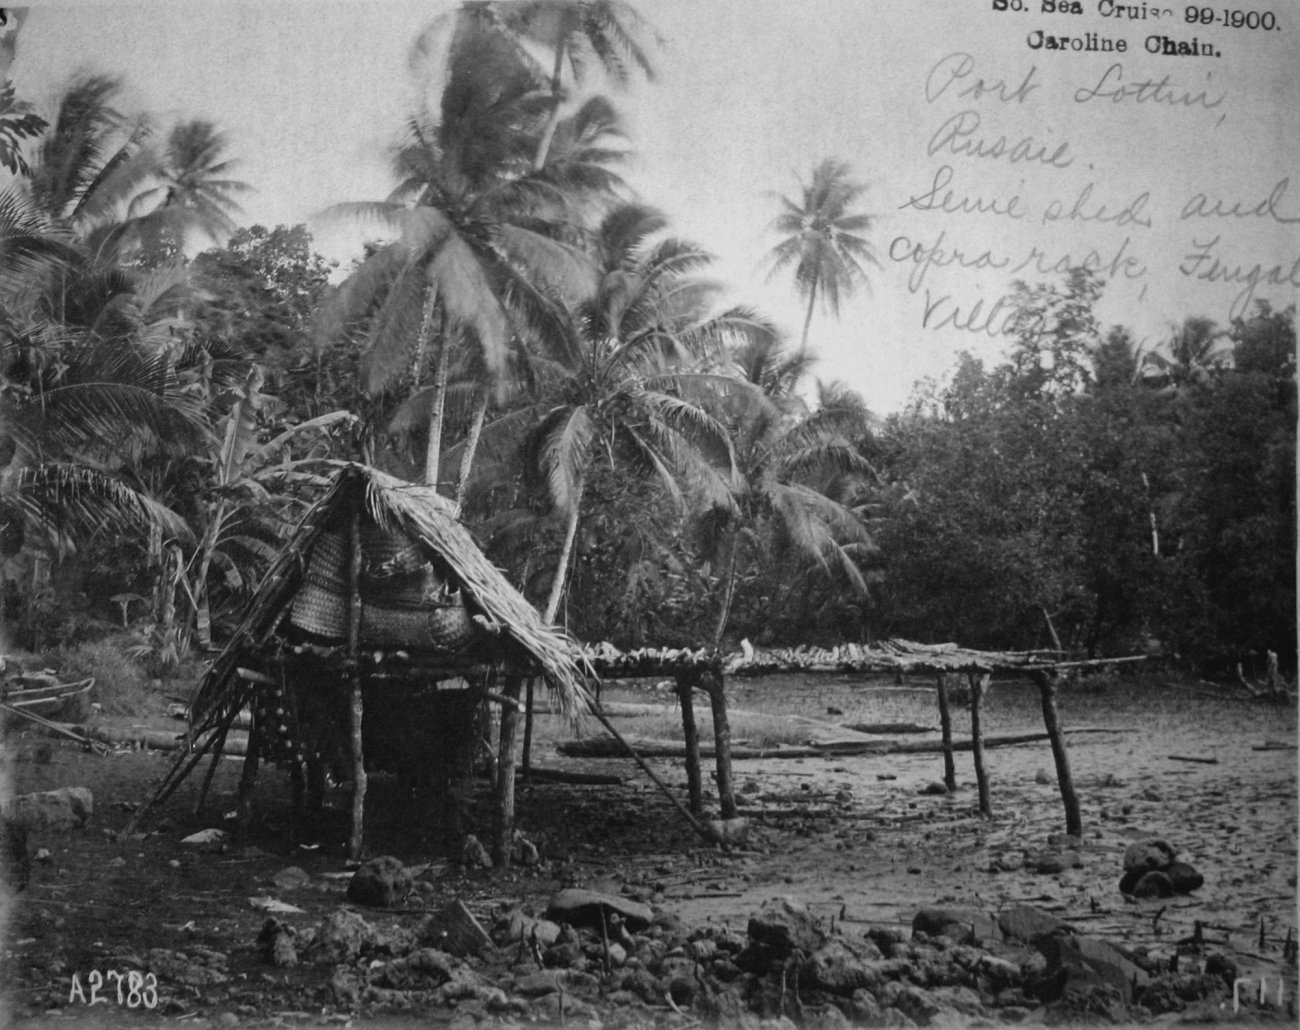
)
(519, 638)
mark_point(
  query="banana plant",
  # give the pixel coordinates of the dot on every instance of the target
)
(257, 490)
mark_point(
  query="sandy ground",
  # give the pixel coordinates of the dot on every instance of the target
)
(852, 837)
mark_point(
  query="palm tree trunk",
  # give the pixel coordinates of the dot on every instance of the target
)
(566, 552)
(729, 591)
(553, 119)
(807, 321)
(471, 445)
(436, 408)
(202, 607)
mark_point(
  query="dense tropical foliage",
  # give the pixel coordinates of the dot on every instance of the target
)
(649, 463)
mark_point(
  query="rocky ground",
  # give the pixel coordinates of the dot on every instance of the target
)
(857, 897)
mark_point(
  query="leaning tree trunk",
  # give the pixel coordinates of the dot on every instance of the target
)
(439, 389)
(471, 446)
(566, 553)
(729, 591)
(552, 119)
(807, 320)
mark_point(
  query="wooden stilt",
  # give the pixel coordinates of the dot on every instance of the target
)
(694, 786)
(1046, 681)
(978, 682)
(528, 729)
(945, 729)
(212, 766)
(174, 778)
(505, 792)
(713, 684)
(355, 841)
(248, 778)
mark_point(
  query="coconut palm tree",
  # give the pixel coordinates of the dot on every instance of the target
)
(1194, 355)
(479, 237)
(823, 239)
(627, 381)
(191, 190)
(607, 34)
(795, 470)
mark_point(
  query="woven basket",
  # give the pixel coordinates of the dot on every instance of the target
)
(321, 605)
(447, 628)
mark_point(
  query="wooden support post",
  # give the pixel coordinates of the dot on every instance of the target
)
(528, 730)
(212, 767)
(713, 685)
(945, 728)
(694, 786)
(505, 792)
(979, 681)
(1046, 681)
(356, 840)
(248, 778)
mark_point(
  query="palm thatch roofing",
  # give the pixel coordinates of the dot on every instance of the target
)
(504, 630)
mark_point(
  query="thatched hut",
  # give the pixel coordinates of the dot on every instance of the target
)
(376, 639)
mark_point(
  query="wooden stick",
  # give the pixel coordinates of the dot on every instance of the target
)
(248, 778)
(696, 825)
(694, 785)
(505, 792)
(42, 721)
(1188, 758)
(528, 728)
(355, 841)
(1046, 680)
(212, 767)
(945, 728)
(978, 683)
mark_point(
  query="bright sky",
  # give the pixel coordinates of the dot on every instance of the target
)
(1157, 168)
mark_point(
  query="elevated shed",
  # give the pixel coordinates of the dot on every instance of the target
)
(375, 640)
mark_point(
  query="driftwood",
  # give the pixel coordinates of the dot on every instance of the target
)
(600, 747)
(886, 728)
(1188, 758)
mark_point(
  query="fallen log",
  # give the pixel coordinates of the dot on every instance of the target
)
(598, 747)
(886, 728)
(577, 778)
(160, 740)
(1189, 758)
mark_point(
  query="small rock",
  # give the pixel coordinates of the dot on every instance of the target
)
(381, 882)
(973, 923)
(729, 831)
(935, 787)
(454, 929)
(1042, 776)
(118, 862)
(43, 856)
(1152, 853)
(1028, 924)
(1153, 884)
(210, 838)
(783, 926)
(291, 877)
(473, 855)
(544, 981)
(1184, 878)
(516, 926)
(340, 937)
(524, 852)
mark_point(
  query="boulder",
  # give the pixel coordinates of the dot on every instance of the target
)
(579, 907)
(916, 1003)
(67, 808)
(544, 981)
(380, 882)
(783, 925)
(473, 854)
(1028, 924)
(937, 921)
(1148, 854)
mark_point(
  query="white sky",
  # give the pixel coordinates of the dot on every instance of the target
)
(751, 94)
